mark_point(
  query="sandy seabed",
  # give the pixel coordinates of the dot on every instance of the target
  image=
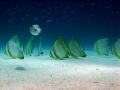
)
(44, 73)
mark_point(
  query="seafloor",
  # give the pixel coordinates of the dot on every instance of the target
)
(44, 73)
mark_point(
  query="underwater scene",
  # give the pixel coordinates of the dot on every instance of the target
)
(59, 45)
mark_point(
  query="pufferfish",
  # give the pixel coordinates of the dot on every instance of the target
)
(35, 30)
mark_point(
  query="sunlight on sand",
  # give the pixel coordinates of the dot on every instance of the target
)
(43, 73)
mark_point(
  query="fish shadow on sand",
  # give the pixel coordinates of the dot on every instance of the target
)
(20, 68)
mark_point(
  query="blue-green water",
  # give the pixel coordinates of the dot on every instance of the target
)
(86, 20)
